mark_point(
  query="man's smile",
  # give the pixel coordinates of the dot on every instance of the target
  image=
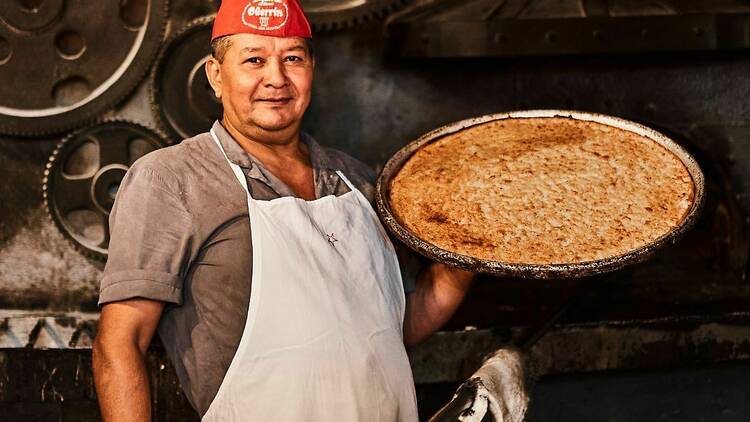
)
(275, 100)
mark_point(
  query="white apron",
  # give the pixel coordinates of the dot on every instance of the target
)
(323, 338)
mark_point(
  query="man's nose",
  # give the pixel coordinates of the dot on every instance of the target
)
(275, 74)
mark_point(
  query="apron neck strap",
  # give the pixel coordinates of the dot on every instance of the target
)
(346, 181)
(235, 168)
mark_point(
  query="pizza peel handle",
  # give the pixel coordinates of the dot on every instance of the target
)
(538, 271)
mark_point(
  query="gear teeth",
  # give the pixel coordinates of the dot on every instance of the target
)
(368, 11)
(54, 160)
(156, 110)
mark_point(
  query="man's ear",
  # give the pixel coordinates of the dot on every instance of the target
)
(213, 73)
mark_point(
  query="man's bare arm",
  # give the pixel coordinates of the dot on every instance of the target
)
(440, 289)
(124, 333)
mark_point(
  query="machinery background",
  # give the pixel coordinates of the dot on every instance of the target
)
(679, 323)
(63, 71)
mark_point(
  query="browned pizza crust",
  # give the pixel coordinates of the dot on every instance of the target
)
(541, 191)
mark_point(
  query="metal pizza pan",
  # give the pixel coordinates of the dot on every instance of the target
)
(537, 271)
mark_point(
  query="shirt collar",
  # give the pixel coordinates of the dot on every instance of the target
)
(319, 158)
(254, 168)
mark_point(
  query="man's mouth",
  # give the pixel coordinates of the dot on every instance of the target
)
(275, 100)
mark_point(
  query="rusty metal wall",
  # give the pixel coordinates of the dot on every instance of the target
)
(39, 268)
(370, 105)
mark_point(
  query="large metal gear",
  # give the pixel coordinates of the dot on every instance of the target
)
(180, 94)
(70, 60)
(83, 174)
(335, 14)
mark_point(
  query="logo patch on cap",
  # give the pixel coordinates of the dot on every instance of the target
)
(266, 15)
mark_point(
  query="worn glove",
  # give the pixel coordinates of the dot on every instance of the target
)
(495, 392)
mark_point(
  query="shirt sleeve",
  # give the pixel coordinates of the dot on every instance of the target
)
(150, 235)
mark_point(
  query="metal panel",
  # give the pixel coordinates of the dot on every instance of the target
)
(581, 348)
(540, 28)
(38, 330)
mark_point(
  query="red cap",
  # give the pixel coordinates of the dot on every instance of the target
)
(275, 18)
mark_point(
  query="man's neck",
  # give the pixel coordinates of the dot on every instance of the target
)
(274, 153)
(287, 158)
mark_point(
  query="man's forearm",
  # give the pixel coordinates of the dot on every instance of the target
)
(439, 291)
(121, 383)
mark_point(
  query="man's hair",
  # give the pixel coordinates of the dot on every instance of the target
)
(220, 45)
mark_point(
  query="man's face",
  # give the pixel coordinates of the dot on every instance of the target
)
(264, 83)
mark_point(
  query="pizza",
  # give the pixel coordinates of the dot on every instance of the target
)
(546, 190)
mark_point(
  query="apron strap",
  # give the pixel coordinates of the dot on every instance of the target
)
(235, 168)
(346, 181)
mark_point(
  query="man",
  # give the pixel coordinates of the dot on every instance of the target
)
(276, 291)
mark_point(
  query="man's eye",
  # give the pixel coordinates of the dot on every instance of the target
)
(293, 59)
(254, 60)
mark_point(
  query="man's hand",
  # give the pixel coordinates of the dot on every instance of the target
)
(124, 333)
(440, 289)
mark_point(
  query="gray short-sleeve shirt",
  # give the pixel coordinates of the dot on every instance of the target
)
(180, 233)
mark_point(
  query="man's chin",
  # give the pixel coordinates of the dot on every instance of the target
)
(273, 125)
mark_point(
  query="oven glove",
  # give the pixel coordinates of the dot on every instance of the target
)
(496, 392)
